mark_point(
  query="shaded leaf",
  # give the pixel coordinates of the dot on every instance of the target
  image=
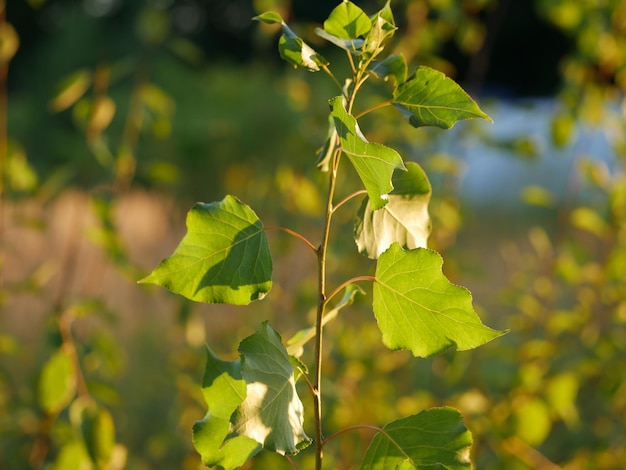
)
(417, 308)
(98, 431)
(373, 162)
(223, 258)
(429, 98)
(432, 439)
(326, 152)
(404, 220)
(347, 44)
(393, 66)
(272, 412)
(57, 383)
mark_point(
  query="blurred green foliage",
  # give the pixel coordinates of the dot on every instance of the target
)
(110, 97)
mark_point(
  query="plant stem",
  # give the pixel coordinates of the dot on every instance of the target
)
(321, 257)
(293, 234)
(349, 197)
(347, 283)
(373, 108)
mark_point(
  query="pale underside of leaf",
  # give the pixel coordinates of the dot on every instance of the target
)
(404, 220)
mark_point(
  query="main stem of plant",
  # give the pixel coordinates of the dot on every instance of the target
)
(321, 305)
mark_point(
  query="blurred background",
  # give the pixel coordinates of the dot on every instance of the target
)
(117, 115)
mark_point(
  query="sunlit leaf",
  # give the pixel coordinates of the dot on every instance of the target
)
(383, 28)
(373, 162)
(417, 308)
(223, 258)
(9, 42)
(429, 98)
(585, 218)
(432, 439)
(272, 412)
(403, 220)
(57, 383)
(538, 196)
(532, 420)
(347, 21)
(252, 403)
(224, 390)
(291, 47)
(71, 89)
(72, 456)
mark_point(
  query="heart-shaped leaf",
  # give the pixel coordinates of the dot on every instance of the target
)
(373, 162)
(347, 21)
(431, 439)
(417, 308)
(429, 98)
(223, 258)
(403, 220)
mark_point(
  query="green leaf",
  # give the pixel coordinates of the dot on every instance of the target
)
(98, 433)
(383, 27)
(269, 17)
(403, 220)
(429, 98)
(432, 439)
(352, 45)
(72, 456)
(272, 412)
(57, 383)
(373, 162)
(223, 258)
(393, 66)
(252, 403)
(291, 47)
(326, 152)
(347, 21)
(417, 308)
(224, 390)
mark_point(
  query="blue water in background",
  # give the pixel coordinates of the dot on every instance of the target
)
(495, 176)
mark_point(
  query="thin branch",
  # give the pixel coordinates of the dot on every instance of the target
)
(352, 428)
(375, 428)
(333, 78)
(347, 283)
(373, 108)
(349, 197)
(293, 234)
(291, 461)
